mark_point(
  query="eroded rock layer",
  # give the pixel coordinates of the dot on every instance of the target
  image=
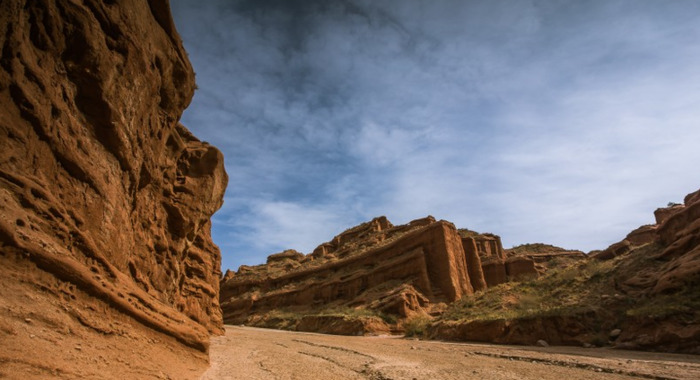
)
(394, 269)
(397, 271)
(100, 186)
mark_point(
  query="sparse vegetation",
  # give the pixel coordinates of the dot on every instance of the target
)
(287, 319)
(358, 313)
(606, 293)
(682, 304)
(561, 291)
(417, 326)
(534, 248)
(464, 232)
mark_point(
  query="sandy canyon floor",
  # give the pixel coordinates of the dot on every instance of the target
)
(251, 353)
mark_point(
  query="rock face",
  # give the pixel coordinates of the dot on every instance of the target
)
(536, 259)
(677, 229)
(499, 266)
(670, 279)
(640, 293)
(396, 271)
(678, 259)
(393, 269)
(100, 186)
(489, 249)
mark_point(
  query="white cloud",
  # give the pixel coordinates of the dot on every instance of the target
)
(559, 122)
(275, 226)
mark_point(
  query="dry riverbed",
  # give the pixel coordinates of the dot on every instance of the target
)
(252, 353)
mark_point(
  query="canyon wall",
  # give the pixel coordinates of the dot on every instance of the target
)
(102, 191)
(393, 269)
(398, 271)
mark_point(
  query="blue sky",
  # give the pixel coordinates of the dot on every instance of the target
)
(564, 122)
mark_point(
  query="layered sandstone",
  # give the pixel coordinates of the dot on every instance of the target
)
(489, 249)
(393, 269)
(498, 266)
(101, 188)
(396, 271)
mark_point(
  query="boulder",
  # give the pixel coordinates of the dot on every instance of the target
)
(288, 254)
(614, 333)
(642, 235)
(342, 325)
(518, 268)
(614, 250)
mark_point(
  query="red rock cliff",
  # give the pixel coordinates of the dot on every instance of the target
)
(100, 186)
(393, 269)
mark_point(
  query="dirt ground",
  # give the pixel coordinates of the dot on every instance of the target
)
(251, 353)
(51, 330)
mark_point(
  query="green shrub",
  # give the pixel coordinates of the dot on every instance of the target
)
(416, 326)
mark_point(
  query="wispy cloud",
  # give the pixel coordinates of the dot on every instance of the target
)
(561, 122)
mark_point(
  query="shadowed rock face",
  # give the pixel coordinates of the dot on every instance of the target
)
(100, 185)
(671, 249)
(678, 236)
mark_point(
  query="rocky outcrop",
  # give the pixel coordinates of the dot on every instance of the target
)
(642, 235)
(535, 259)
(576, 330)
(678, 236)
(614, 250)
(342, 325)
(677, 229)
(640, 293)
(498, 266)
(489, 250)
(519, 268)
(474, 264)
(289, 254)
(670, 281)
(100, 186)
(398, 270)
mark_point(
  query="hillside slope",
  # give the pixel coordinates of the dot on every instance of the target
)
(640, 293)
